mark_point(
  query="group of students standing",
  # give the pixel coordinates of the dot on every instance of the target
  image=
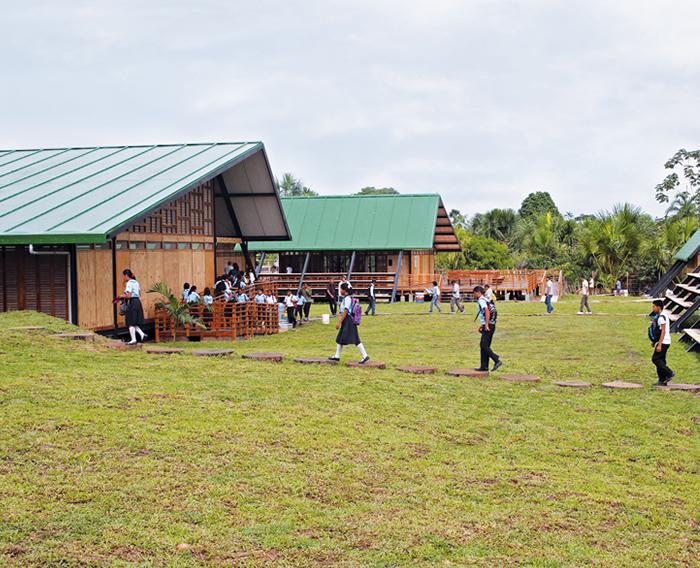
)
(298, 306)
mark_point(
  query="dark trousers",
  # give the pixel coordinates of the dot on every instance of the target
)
(333, 305)
(663, 371)
(307, 310)
(485, 344)
(372, 306)
(290, 317)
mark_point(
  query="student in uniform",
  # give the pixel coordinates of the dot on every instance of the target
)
(290, 303)
(456, 299)
(242, 297)
(486, 329)
(134, 310)
(260, 297)
(347, 329)
(299, 309)
(270, 298)
(585, 289)
(435, 298)
(193, 296)
(488, 293)
(208, 301)
(371, 298)
(185, 292)
(661, 347)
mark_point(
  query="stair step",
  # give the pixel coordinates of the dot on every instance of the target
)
(676, 300)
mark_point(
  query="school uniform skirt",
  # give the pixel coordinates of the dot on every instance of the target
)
(348, 335)
(134, 313)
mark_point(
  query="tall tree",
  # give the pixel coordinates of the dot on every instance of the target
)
(537, 204)
(497, 224)
(688, 162)
(370, 190)
(458, 220)
(684, 205)
(291, 186)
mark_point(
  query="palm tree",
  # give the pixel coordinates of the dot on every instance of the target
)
(497, 224)
(178, 313)
(683, 205)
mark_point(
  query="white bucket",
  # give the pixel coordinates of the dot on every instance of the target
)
(325, 319)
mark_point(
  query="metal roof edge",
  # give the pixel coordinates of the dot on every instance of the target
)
(53, 239)
(130, 146)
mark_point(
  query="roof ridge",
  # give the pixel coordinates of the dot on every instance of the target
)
(108, 146)
(353, 195)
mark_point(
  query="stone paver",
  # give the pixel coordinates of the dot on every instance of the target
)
(212, 352)
(417, 369)
(520, 378)
(368, 365)
(573, 384)
(622, 385)
(680, 387)
(121, 345)
(467, 373)
(274, 357)
(315, 361)
(28, 328)
(164, 350)
(75, 336)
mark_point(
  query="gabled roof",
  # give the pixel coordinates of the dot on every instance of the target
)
(87, 195)
(689, 249)
(365, 222)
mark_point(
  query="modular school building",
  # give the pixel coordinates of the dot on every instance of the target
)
(71, 219)
(392, 239)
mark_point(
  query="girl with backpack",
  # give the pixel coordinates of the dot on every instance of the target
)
(350, 317)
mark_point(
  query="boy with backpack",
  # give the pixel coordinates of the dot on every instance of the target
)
(660, 337)
(488, 316)
(350, 318)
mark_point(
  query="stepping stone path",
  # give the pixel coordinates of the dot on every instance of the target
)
(573, 384)
(274, 357)
(164, 350)
(622, 385)
(368, 365)
(467, 373)
(314, 361)
(121, 345)
(680, 387)
(28, 328)
(417, 369)
(520, 378)
(213, 352)
(75, 336)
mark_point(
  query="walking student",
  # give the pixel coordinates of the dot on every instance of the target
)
(488, 293)
(134, 310)
(435, 297)
(332, 298)
(290, 303)
(660, 336)
(308, 300)
(585, 289)
(299, 311)
(371, 299)
(350, 315)
(487, 318)
(548, 293)
(456, 299)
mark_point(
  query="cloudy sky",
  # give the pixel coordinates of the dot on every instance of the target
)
(481, 101)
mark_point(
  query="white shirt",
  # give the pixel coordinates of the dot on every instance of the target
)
(133, 287)
(289, 270)
(208, 300)
(435, 291)
(346, 304)
(455, 290)
(663, 319)
(548, 288)
(289, 301)
(584, 287)
(192, 298)
(270, 300)
(488, 294)
(185, 294)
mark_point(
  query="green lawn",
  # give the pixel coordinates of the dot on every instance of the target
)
(113, 458)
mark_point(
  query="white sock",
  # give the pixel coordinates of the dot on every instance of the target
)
(338, 349)
(132, 333)
(362, 350)
(140, 332)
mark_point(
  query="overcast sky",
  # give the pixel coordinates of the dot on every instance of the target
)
(481, 101)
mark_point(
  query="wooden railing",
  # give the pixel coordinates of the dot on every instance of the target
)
(524, 281)
(222, 320)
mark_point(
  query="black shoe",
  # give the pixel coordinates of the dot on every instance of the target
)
(497, 365)
(482, 370)
(660, 384)
(672, 375)
(334, 358)
(364, 360)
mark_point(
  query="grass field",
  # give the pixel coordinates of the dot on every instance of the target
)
(113, 458)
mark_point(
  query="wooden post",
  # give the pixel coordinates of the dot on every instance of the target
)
(396, 277)
(303, 272)
(114, 285)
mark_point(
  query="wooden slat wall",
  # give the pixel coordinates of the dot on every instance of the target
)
(94, 269)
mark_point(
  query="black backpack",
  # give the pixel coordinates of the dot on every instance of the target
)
(654, 331)
(493, 311)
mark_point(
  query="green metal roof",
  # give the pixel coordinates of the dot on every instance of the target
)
(358, 222)
(689, 249)
(85, 195)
